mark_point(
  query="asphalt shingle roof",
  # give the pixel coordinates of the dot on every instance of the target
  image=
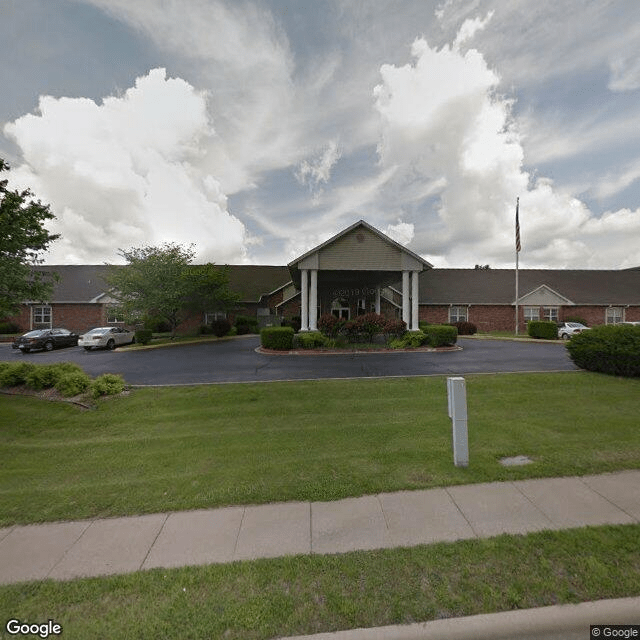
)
(497, 286)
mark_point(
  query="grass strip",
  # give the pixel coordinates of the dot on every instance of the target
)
(310, 594)
(200, 447)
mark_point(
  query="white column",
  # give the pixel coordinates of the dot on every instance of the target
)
(313, 301)
(406, 308)
(378, 300)
(414, 301)
(304, 303)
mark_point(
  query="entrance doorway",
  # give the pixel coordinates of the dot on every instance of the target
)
(340, 309)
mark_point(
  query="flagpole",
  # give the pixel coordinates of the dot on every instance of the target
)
(517, 256)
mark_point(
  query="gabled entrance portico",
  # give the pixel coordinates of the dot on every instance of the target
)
(357, 265)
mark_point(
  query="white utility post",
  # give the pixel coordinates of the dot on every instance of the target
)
(457, 398)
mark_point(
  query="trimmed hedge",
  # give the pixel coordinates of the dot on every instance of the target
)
(611, 349)
(277, 338)
(441, 335)
(543, 329)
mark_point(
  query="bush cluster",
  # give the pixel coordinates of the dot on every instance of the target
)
(218, 328)
(441, 335)
(108, 384)
(309, 340)
(9, 327)
(433, 335)
(48, 375)
(246, 324)
(277, 338)
(67, 378)
(410, 340)
(362, 328)
(465, 328)
(543, 329)
(143, 336)
(612, 349)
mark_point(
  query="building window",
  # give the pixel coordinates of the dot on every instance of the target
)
(42, 315)
(531, 314)
(212, 317)
(340, 308)
(614, 315)
(362, 306)
(457, 314)
(550, 314)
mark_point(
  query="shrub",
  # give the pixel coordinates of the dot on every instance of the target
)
(73, 384)
(410, 340)
(277, 338)
(108, 384)
(15, 373)
(143, 336)
(246, 324)
(157, 324)
(330, 325)
(542, 329)
(394, 328)
(221, 327)
(369, 324)
(309, 340)
(465, 328)
(612, 349)
(47, 375)
(441, 335)
(9, 327)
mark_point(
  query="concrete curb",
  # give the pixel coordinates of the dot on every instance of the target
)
(558, 622)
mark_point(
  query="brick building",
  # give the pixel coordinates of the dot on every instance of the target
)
(361, 270)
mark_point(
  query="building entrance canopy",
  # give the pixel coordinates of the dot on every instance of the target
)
(358, 263)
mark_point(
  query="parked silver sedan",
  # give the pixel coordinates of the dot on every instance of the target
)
(106, 338)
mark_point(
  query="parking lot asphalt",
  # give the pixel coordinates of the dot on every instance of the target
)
(238, 361)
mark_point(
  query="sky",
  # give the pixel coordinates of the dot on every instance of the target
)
(254, 130)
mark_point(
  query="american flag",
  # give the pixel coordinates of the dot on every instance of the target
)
(518, 247)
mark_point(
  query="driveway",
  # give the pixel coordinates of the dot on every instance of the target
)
(237, 361)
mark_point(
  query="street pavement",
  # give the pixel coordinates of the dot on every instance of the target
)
(237, 360)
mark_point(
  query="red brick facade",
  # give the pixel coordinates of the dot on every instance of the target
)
(501, 317)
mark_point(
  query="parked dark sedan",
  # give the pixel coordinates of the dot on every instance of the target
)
(47, 339)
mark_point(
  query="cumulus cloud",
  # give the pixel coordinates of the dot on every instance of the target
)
(125, 172)
(443, 124)
(401, 232)
(313, 172)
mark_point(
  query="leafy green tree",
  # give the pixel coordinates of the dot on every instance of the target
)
(161, 282)
(23, 238)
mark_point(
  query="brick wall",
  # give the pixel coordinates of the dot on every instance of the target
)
(75, 317)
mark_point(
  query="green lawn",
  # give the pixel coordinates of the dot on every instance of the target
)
(198, 447)
(308, 594)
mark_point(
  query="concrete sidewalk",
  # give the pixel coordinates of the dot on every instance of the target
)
(67, 550)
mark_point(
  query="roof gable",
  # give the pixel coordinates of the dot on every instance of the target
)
(543, 296)
(360, 247)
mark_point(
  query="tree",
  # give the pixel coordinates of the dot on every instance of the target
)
(23, 238)
(162, 282)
